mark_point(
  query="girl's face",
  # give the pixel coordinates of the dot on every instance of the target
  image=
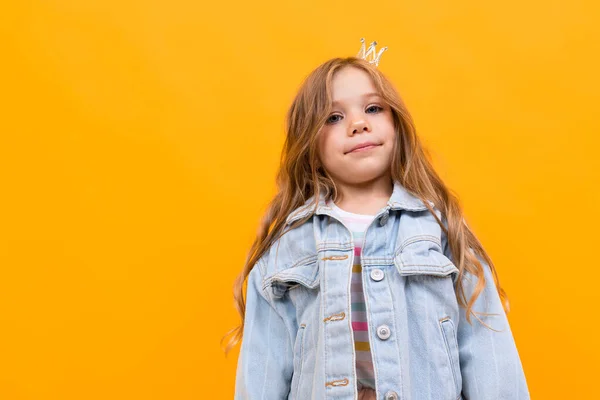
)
(359, 116)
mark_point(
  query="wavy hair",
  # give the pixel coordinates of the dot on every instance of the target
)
(301, 176)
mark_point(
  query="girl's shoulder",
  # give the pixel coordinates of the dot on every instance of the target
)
(293, 256)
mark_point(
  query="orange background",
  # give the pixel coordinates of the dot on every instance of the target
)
(139, 145)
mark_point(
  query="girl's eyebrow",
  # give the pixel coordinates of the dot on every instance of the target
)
(371, 94)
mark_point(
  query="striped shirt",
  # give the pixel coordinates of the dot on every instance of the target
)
(358, 223)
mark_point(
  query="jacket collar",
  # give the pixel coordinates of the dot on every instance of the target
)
(401, 199)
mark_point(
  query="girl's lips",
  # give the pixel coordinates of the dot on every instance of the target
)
(365, 148)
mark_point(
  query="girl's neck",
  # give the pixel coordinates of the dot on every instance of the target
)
(364, 199)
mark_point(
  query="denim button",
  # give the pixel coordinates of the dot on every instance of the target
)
(383, 332)
(384, 218)
(376, 274)
(391, 395)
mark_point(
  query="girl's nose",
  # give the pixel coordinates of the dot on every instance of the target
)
(359, 126)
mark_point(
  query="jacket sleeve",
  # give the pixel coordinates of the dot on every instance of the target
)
(490, 365)
(265, 362)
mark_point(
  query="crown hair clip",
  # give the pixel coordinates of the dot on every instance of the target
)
(370, 54)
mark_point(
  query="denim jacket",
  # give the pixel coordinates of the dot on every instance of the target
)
(298, 341)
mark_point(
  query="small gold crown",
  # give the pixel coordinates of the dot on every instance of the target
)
(370, 54)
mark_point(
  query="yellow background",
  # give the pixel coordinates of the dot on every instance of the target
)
(139, 144)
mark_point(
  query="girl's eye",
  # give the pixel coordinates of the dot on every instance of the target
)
(375, 109)
(329, 121)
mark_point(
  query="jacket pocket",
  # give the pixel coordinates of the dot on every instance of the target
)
(304, 273)
(449, 335)
(298, 362)
(423, 256)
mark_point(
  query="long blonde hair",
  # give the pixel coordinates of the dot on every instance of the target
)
(300, 176)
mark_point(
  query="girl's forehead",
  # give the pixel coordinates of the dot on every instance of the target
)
(354, 97)
(352, 84)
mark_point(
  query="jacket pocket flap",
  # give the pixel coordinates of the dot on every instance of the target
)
(423, 257)
(306, 274)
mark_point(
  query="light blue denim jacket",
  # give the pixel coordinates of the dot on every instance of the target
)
(298, 341)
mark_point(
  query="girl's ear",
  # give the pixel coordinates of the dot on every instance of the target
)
(318, 162)
(319, 167)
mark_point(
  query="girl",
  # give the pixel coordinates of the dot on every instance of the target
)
(364, 278)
